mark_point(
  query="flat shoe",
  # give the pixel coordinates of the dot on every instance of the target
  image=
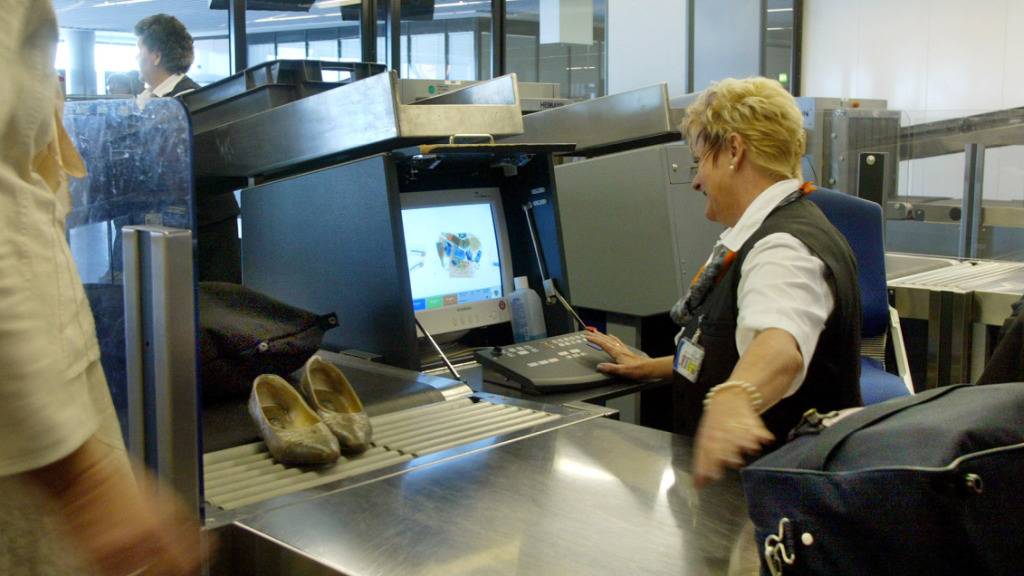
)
(331, 394)
(294, 434)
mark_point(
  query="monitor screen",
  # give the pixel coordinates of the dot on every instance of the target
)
(457, 251)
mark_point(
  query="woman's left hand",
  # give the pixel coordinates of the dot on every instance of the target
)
(729, 431)
(625, 362)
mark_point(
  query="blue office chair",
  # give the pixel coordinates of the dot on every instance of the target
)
(861, 222)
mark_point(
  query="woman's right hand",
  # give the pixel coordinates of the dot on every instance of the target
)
(625, 362)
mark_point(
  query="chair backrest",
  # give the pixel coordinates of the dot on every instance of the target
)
(861, 222)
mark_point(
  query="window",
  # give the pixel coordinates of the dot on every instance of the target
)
(559, 41)
(323, 33)
(778, 41)
(97, 40)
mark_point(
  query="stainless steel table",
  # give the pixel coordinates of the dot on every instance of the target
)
(595, 497)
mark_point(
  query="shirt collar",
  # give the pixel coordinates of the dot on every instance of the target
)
(167, 85)
(754, 215)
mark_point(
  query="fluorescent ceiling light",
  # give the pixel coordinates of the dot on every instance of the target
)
(286, 18)
(780, 10)
(108, 3)
(461, 3)
(322, 4)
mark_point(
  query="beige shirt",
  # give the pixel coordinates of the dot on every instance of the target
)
(47, 337)
(161, 90)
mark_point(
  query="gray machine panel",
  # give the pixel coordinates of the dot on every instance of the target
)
(613, 120)
(331, 241)
(633, 230)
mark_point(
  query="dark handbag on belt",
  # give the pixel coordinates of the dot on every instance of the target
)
(924, 484)
(244, 333)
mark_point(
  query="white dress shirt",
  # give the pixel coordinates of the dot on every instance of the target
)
(161, 90)
(782, 284)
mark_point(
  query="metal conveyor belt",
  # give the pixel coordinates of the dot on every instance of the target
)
(246, 474)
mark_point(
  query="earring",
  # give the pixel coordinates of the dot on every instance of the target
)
(732, 166)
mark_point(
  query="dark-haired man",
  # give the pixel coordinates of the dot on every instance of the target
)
(165, 55)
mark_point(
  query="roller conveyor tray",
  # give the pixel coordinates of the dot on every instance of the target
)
(957, 301)
(899, 265)
(416, 417)
(354, 120)
(247, 474)
(994, 285)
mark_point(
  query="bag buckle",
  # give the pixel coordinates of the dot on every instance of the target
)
(775, 554)
(810, 423)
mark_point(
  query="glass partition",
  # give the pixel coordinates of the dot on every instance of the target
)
(139, 163)
(559, 41)
(326, 32)
(446, 40)
(960, 185)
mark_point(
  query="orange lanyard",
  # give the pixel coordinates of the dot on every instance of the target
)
(806, 188)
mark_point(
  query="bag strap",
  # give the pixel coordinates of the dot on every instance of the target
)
(829, 439)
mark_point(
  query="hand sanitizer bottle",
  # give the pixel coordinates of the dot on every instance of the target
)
(527, 312)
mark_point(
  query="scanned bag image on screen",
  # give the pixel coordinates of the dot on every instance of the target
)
(457, 250)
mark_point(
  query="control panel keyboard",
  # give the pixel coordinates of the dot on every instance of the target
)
(550, 364)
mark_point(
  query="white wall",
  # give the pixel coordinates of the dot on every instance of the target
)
(932, 59)
(647, 44)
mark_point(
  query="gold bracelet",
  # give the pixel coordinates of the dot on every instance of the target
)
(756, 399)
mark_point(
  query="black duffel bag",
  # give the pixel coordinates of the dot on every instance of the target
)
(925, 484)
(244, 333)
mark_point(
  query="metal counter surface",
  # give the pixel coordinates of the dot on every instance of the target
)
(597, 497)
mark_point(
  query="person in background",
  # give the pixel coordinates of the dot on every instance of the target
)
(165, 55)
(124, 84)
(71, 501)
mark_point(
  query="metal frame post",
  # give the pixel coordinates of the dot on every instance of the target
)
(970, 209)
(395, 29)
(160, 355)
(499, 60)
(236, 35)
(797, 46)
(368, 31)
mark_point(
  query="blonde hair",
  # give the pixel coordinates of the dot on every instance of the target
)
(761, 112)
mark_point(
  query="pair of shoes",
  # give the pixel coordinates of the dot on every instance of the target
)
(294, 434)
(331, 394)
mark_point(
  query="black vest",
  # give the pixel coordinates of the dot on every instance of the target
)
(833, 377)
(184, 84)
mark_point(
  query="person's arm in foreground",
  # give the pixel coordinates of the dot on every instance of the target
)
(119, 523)
(730, 428)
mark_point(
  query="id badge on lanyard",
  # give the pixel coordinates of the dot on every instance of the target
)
(689, 356)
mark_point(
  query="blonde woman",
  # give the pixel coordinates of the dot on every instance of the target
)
(771, 324)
